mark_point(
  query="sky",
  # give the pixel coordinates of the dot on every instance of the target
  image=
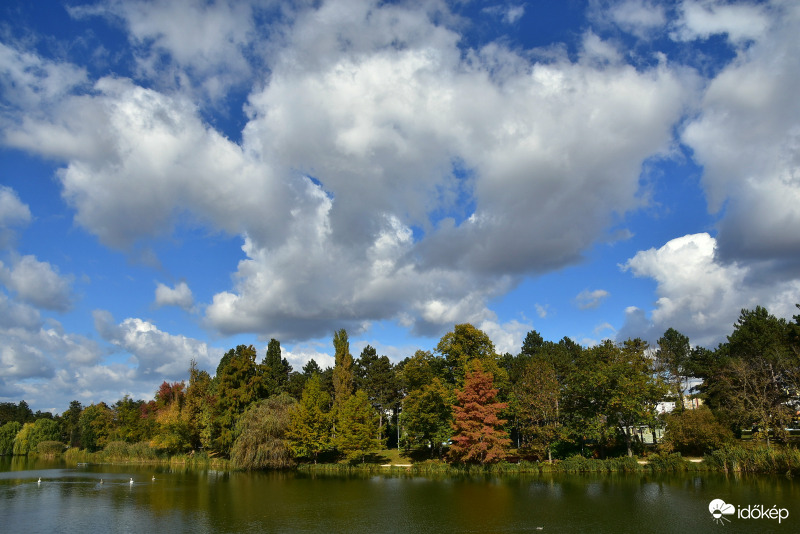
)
(178, 177)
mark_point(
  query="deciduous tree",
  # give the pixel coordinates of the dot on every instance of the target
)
(478, 433)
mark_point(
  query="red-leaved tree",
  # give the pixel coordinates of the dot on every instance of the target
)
(479, 437)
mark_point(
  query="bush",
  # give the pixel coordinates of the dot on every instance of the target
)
(50, 448)
(694, 432)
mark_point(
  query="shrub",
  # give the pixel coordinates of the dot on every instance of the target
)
(50, 448)
(694, 432)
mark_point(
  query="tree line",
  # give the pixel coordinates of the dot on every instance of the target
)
(461, 402)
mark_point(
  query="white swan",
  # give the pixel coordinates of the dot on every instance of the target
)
(131, 482)
(154, 478)
(40, 480)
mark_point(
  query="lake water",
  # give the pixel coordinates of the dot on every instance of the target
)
(71, 499)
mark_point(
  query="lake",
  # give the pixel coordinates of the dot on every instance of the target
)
(72, 499)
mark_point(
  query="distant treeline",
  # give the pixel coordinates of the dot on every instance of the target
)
(461, 402)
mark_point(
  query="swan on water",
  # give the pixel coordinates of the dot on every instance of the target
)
(40, 480)
(131, 482)
(154, 478)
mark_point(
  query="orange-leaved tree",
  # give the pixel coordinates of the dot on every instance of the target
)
(479, 437)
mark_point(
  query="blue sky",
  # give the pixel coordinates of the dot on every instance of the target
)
(179, 177)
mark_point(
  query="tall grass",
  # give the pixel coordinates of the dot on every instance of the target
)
(755, 459)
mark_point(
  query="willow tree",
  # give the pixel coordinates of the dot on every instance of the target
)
(261, 435)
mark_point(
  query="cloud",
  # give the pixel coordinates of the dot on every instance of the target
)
(747, 139)
(509, 13)
(542, 310)
(203, 44)
(698, 295)
(38, 283)
(156, 354)
(590, 299)
(742, 21)
(384, 173)
(180, 296)
(638, 17)
(507, 337)
(13, 213)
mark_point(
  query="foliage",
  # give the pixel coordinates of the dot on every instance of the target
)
(343, 378)
(22, 441)
(309, 430)
(759, 376)
(49, 448)
(96, 424)
(672, 358)
(70, 424)
(275, 368)
(694, 432)
(20, 413)
(759, 459)
(478, 436)
(376, 376)
(463, 345)
(44, 430)
(357, 431)
(239, 384)
(8, 433)
(261, 435)
(428, 415)
(611, 391)
(535, 407)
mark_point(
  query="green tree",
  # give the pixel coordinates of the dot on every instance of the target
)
(309, 430)
(612, 390)
(261, 435)
(694, 432)
(22, 441)
(535, 406)
(96, 423)
(276, 369)
(343, 379)
(375, 375)
(672, 359)
(43, 430)
(129, 425)
(70, 424)
(463, 345)
(478, 430)
(8, 433)
(239, 384)
(759, 377)
(428, 415)
(358, 426)
(199, 407)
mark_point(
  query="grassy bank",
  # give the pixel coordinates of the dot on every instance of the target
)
(141, 453)
(749, 459)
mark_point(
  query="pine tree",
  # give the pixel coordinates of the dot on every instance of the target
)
(478, 434)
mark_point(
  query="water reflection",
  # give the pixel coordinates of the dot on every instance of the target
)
(72, 499)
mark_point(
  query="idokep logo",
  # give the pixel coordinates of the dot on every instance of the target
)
(719, 509)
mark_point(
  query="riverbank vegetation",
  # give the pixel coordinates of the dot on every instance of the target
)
(552, 407)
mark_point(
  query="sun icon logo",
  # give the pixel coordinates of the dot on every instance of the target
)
(719, 509)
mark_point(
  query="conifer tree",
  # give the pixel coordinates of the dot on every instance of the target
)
(342, 374)
(479, 437)
(357, 427)
(309, 431)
